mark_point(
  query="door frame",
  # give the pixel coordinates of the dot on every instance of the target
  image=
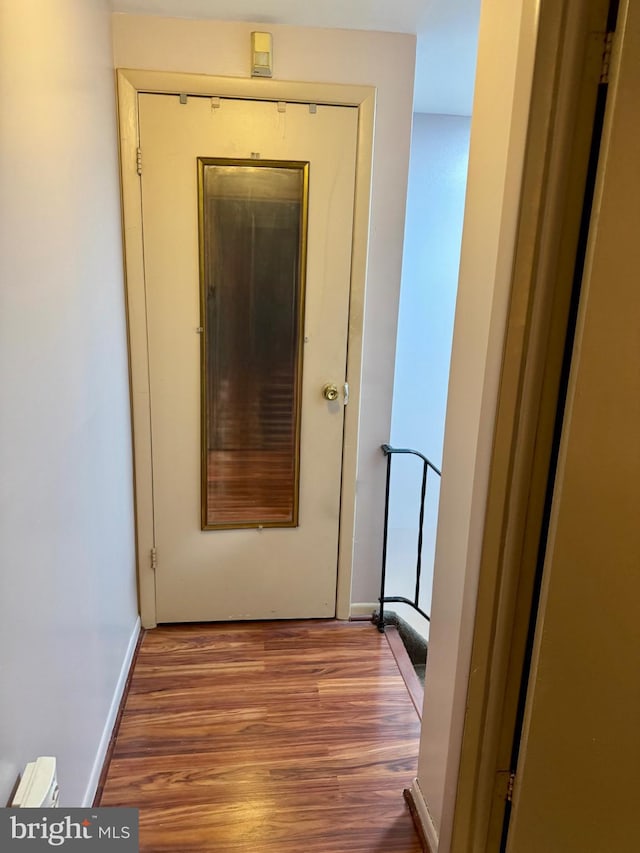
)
(131, 82)
(568, 60)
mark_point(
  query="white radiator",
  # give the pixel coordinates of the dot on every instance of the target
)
(38, 788)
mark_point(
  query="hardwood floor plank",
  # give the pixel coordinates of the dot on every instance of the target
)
(265, 825)
(188, 732)
(294, 737)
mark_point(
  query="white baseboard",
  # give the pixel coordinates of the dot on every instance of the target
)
(103, 746)
(363, 608)
(426, 821)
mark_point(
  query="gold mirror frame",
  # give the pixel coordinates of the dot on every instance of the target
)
(303, 167)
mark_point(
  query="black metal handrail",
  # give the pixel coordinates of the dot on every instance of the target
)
(388, 452)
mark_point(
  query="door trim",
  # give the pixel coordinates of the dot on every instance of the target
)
(130, 82)
(569, 46)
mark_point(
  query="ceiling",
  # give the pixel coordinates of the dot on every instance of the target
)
(447, 33)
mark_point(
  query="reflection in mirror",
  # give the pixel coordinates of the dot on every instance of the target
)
(253, 218)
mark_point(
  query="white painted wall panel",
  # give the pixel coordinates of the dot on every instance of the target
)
(499, 123)
(67, 579)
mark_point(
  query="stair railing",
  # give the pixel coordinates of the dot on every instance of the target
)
(427, 464)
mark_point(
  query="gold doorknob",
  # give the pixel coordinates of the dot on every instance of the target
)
(330, 391)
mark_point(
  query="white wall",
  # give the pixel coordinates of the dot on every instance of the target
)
(433, 231)
(383, 60)
(67, 582)
(498, 133)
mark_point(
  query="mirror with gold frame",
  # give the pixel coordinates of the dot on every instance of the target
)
(253, 231)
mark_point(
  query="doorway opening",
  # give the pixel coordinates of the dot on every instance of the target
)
(431, 257)
(433, 235)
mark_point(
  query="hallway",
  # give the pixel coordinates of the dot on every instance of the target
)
(265, 737)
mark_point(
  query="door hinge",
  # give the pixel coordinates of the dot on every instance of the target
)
(512, 782)
(139, 160)
(606, 57)
(153, 559)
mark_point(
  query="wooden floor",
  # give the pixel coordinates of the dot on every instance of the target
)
(250, 486)
(295, 737)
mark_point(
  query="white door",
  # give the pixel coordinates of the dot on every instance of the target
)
(219, 457)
